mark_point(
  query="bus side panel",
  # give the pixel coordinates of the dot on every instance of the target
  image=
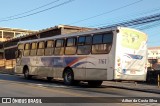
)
(58, 72)
(44, 71)
(96, 74)
(33, 70)
(96, 67)
(79, 73)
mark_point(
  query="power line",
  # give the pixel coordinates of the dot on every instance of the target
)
(150, 26)
(132, 15)
(138, 21)
(106, 12)
(31, 10)
(39, 11)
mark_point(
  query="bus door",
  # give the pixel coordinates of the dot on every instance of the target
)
(18, 56)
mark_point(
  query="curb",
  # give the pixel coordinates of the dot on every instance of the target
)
(135, 89)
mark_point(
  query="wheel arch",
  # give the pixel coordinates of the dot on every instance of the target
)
(25, 67)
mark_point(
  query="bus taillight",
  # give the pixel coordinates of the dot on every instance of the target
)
(119, 62)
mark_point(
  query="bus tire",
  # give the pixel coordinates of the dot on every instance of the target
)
(95, 83)
(49, 78)
(68, 77)
(26, 74)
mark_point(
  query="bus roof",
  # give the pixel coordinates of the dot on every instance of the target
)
(77, 34)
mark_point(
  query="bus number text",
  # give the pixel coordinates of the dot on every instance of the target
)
(102, 61)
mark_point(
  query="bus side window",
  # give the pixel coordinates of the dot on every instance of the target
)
(102, 43)
(33, 49)
(40, 50)
(70, 46)
(19, 52)
(59, 47)
(27, 49)
(84, 45)
(49, 47)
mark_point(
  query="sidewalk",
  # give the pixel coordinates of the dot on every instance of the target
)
(144, 87)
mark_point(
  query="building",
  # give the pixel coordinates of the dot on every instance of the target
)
(10, 33)
(154, 58)
(154, 52)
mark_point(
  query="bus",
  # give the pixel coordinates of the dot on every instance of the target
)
(113, 54)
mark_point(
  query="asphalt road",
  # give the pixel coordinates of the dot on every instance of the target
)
(17, 86)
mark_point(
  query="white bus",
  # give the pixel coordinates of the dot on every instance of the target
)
(94, 56)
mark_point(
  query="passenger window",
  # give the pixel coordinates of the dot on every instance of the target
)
(27, 46)
(84, 45)
(19, 52)
(27, 49)
(71, 42)
(97, 39)
(34, 46)
(59, 47)
(33, 49)
(49, 50)
(70, 46)
(81, 40)
(60, 43)
(50, 44)
(88, 40)
(41, 45)
(40, 50)
(107, 38)
(21, 46)
(102, 43)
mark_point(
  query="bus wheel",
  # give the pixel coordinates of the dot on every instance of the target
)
(68, 77)
(95, 83)
(26, 74)
(49, 78)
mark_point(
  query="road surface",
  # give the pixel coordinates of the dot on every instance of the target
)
(17, 86)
